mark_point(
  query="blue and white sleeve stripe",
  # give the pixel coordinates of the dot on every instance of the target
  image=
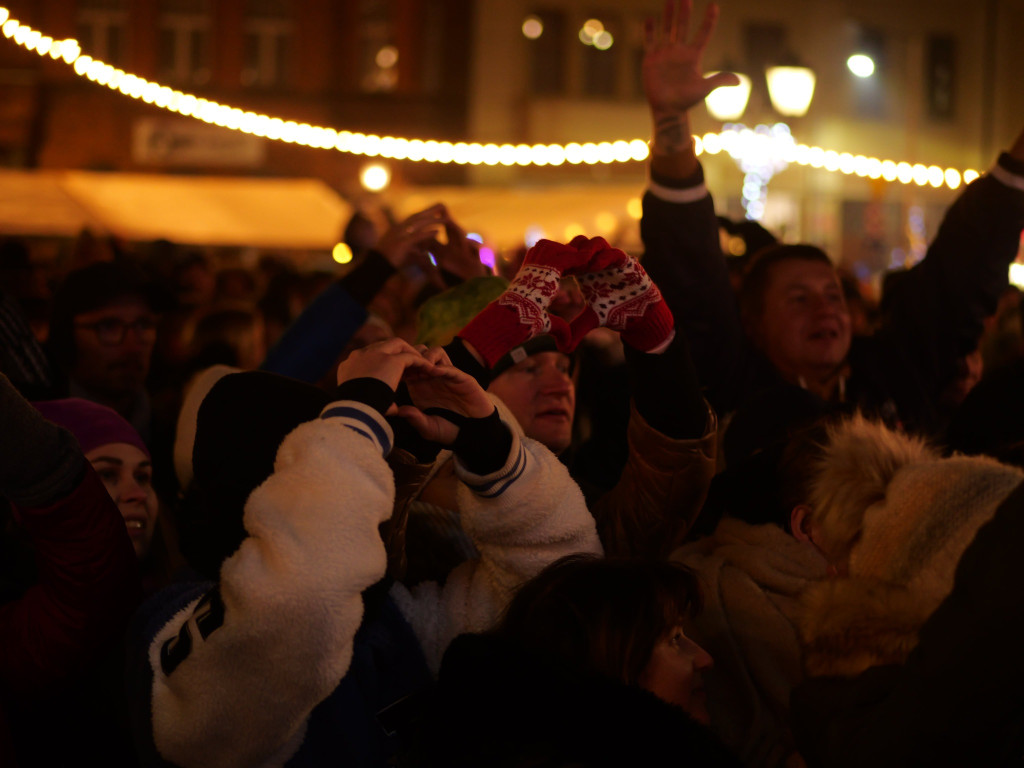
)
(493, 485)
(363, 420)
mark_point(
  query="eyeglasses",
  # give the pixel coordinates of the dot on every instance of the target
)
(110, 331)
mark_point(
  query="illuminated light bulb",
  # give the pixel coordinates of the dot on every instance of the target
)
(603, 40)
(935, 176)
(386, 57)
(150, 91)
(21, 34)
(415, 149)
(492, 154)
(4, 15)
(573, 230)
(431, 151)
(524, 154)
(1017, 275)
(114, 80)
(533, 27)
(574, 153)
(606, 222)
(801, 155)
(82, 65)
(605, 152)
(44, 45)
(635, 208)
(460, 153)
(330, 138)
(371, 146)
(698, 146)
(621, 152)
(539, 154)
(507, 154)
(475, 154)
(874, 168)
(952, 177)
(343, 142)
(57, 50)
(290, 131)
(846, 163)
(639, 150)
(590, 153)
(712, 143)
(591, 29)
(831, 160)
(124, 84)
(249, 123)
(904, 173)
(106, 75)
(32, 39)
(9, 28)
(375, 177)
(556, 154)
(889, 171)
(341, 253)
(920, 174)
(70, 50)
(138, 85)
(234, 118)
(275, 127)
(304, 134)
(970, 175)
(816, 157)
(445, 152)
(388, 148)
(861, 65)
(860, 166)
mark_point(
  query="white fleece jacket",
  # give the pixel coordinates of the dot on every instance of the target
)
(237, 690)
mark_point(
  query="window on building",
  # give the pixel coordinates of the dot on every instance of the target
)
(378, 54)
(602, 39)
(102, 26)
(940, 77)
(184, 41)
(548, 54)
(870, 92)
(267, 40)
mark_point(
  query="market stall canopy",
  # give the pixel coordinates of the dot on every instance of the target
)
(508, 217)
(295, 214)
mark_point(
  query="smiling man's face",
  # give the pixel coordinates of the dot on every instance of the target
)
(804, 328)
(540, 393)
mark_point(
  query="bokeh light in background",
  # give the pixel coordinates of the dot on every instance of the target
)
(533, 27)
(341, 253)
(861, 65)
(375, 177)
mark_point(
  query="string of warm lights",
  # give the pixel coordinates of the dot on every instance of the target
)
(462, 153)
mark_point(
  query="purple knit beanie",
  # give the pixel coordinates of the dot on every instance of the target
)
(92, 424)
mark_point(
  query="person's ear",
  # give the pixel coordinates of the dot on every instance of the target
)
(800, 523)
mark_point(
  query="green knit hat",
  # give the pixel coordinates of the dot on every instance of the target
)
(444, 315)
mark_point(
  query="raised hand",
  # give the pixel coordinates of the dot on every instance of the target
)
(403, 241)
(459, 255)
(672, 68)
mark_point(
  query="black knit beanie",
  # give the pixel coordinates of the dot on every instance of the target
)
(239, 427)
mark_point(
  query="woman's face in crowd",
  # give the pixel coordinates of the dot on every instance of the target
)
(128, 475)
(673, 673)
(540, 393)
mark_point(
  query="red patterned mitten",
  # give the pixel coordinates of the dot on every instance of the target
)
(520, 313)
(622, 297)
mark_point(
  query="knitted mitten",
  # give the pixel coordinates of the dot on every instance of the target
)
(520, 313)
(620, 296)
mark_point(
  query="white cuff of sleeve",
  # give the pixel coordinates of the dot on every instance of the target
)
(1006, 177)
(492, 485)
(671, 195)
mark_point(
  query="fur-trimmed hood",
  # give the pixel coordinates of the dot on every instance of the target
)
(904, 515)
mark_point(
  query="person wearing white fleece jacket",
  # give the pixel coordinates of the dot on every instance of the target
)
(238, 670)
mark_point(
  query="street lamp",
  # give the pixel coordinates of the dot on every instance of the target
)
(763, 151)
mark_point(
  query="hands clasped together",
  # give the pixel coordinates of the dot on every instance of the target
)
(443, 397)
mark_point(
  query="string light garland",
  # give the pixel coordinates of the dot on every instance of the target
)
(462, 153)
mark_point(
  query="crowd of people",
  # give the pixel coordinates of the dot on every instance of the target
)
(597, 511)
